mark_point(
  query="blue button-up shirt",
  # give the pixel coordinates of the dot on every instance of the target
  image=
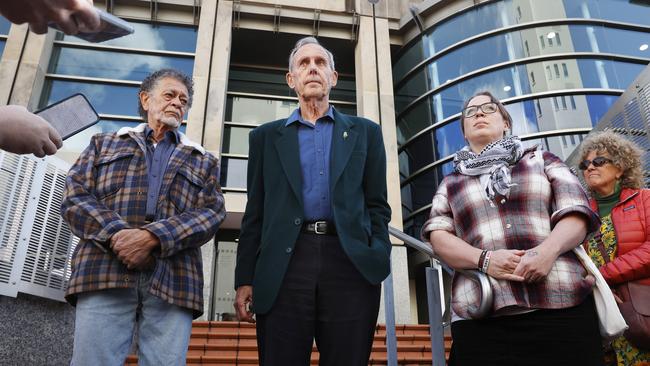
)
(157, 158)
(315, 143)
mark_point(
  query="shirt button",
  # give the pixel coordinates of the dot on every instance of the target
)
(297, 221)
(321, 172)
(126, 279)
(503, 200)
(288, 250)
(508, 226)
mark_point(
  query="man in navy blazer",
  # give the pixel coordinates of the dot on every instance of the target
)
(314, 245)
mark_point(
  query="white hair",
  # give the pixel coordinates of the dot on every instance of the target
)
(310, 40)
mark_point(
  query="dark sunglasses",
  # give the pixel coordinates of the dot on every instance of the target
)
(598, 162)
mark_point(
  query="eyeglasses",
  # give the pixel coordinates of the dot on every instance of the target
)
(597, 162)
(487, 108)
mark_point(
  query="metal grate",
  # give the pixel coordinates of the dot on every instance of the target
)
(35, 244)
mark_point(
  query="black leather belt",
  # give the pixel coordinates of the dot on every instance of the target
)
(319, 228)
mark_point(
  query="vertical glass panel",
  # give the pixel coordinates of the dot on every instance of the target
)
(257, 110)
(407, 60)
(106, 98)
(233, 172)
(449, 139)
(524, 117)
(113, 65)
(598, 106)
(235, 140)
(163, 37)
(562, 146)
(421, 152)
(618, 10)
(415, 120)
(2, 46)
(423, 188)
(5, 25)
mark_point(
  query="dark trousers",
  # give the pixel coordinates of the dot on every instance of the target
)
(323, 297)
(544, 337)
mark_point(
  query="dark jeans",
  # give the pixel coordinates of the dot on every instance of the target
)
(544, 337)
(323, 297)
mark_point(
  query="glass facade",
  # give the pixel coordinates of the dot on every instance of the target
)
(4, 32)
(110, 75)
(558, 65)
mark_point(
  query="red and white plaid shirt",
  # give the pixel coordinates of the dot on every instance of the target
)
(544, 193)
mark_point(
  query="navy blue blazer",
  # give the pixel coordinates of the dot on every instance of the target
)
(274, 211)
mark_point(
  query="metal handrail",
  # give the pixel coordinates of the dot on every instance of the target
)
(487, 297)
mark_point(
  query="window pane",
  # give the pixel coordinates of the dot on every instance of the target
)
(161, 37)
(2, 47)
(113, 65)
(273, 82)
(80, 141)
(235, 140)
(257, 110)
(449, 139)
(106, 98)
(4, 25)
(233, 172)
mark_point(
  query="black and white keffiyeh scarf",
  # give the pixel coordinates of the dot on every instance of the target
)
(492, 164)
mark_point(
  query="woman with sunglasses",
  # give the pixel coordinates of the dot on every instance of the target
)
(515, 214)
(612, 168)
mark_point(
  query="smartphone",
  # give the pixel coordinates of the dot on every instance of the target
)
(111, 27)
(70, 115)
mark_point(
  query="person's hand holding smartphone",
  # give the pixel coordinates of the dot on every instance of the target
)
(23, 132)
(70, 16)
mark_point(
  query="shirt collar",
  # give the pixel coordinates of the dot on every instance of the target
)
(170, 135)
(296, 117)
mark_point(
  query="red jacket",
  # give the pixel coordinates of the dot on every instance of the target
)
(632, 227)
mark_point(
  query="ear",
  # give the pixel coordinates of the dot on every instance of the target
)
(334, 78)
(290, 80)
(144, 100)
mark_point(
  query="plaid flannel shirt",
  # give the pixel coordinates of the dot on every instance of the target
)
(106, 192)
(544, 193)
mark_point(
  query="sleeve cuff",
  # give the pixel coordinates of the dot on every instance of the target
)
(593, 221)
(164, 236)
(109, 230)
(436, 223)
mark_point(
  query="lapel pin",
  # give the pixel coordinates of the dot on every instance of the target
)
(345, 135)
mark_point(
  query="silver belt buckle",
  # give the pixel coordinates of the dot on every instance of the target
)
(317, 230)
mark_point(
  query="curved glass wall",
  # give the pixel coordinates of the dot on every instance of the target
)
(558, 78)
(500, 14)
(109, 75)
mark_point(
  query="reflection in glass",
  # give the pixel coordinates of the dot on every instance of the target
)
(500, 14)
(449, 139)
(162, 37)
(511, 82)
(113, 65)
(78, 142)
(235, 140)
(2, 47)
(257, 110)
(512, 46)
(4, 25)
(562, 146)
(233, 172)
(105, 98)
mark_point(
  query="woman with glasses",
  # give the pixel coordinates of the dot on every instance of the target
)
(612, 169)
(515, 214)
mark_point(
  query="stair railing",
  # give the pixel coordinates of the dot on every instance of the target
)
(435, 303)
